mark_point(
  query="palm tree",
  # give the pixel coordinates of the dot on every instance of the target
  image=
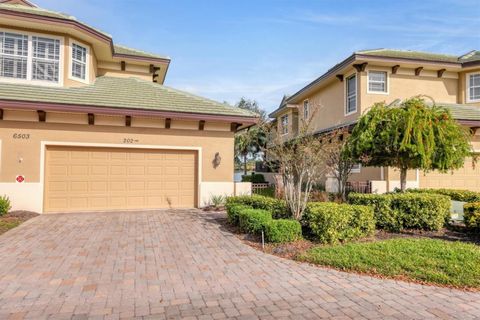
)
(249, 142)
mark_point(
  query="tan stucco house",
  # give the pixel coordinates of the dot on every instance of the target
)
(87, 125)
(337, 99)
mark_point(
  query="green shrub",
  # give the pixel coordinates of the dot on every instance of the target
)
(283, 230)
(253, 221)
(455, 195)
(278, 208)
(471, 215)
(397, 211)
(233, 211)
(253, 178)
(385, 217)
(331, 222)
(5, 205)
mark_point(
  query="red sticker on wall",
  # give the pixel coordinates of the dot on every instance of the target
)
(20, 179)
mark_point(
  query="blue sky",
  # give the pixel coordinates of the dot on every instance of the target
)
(262, 49)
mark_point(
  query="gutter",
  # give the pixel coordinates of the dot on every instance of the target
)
(27, 105)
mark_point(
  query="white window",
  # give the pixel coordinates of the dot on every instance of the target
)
(13, 55)
(351, 95)
(356, 168)
(284, 124)
(473, 89)
(30, 57)
(46, 59)
(377, 82)
(79, 61)
(306, 109)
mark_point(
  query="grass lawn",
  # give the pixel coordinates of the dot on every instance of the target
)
(426, 260)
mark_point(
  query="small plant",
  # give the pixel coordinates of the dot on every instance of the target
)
(233, 212)
(5, 205)
(471, 215)
(218, 201)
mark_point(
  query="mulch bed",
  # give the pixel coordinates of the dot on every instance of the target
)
(15, 218)
(292, 250)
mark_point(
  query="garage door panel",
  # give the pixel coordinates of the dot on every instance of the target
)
(88, 179)
(467, 178)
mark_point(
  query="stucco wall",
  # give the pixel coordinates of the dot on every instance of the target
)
(22, 137)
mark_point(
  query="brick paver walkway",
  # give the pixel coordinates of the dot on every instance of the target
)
(181, 264)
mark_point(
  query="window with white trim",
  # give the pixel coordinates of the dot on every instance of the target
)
(356, 168)
(351, 94)
(284, 122)
(473, 87)
(306, 109)
(29, 57)
(79, 61)
(13, 55)
(46, 59)
(377, 81)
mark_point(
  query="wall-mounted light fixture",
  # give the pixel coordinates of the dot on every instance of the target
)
(216, 160)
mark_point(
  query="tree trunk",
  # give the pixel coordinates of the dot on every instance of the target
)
(245, 164)
(403, 179)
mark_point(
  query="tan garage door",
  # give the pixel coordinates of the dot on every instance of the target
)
(467, 178)
(92, 179)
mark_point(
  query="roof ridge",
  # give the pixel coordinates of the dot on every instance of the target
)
(407, 51)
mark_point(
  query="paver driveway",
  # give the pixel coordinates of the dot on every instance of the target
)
(181, 264)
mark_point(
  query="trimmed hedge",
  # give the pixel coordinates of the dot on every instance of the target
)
(283, 230)
(253, 178)
(253, 221)
(278, 208)
(471, 215)
(5, 205)
(399, 211)
(455, 195)
(332, 222)
(233, 212)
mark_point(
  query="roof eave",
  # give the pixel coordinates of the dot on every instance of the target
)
(95, 33)
(356, 56)
(109, 110)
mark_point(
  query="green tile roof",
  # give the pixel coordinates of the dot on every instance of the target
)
(53, 14)
(408, 54)
(45, 13)
(129, 93)
(471, 56)
(134, 52)
(462, 111)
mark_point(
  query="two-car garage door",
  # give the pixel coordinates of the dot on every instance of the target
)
(93, 179)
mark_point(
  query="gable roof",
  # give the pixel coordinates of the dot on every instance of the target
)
(119, 94)
(466, 60)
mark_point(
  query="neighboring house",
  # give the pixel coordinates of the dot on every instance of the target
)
(346, 91)
(87, 125)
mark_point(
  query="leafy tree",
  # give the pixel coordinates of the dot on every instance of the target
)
(412, 135)
(338, 160)
(251, 141)
(253, 106)
(301, 163)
